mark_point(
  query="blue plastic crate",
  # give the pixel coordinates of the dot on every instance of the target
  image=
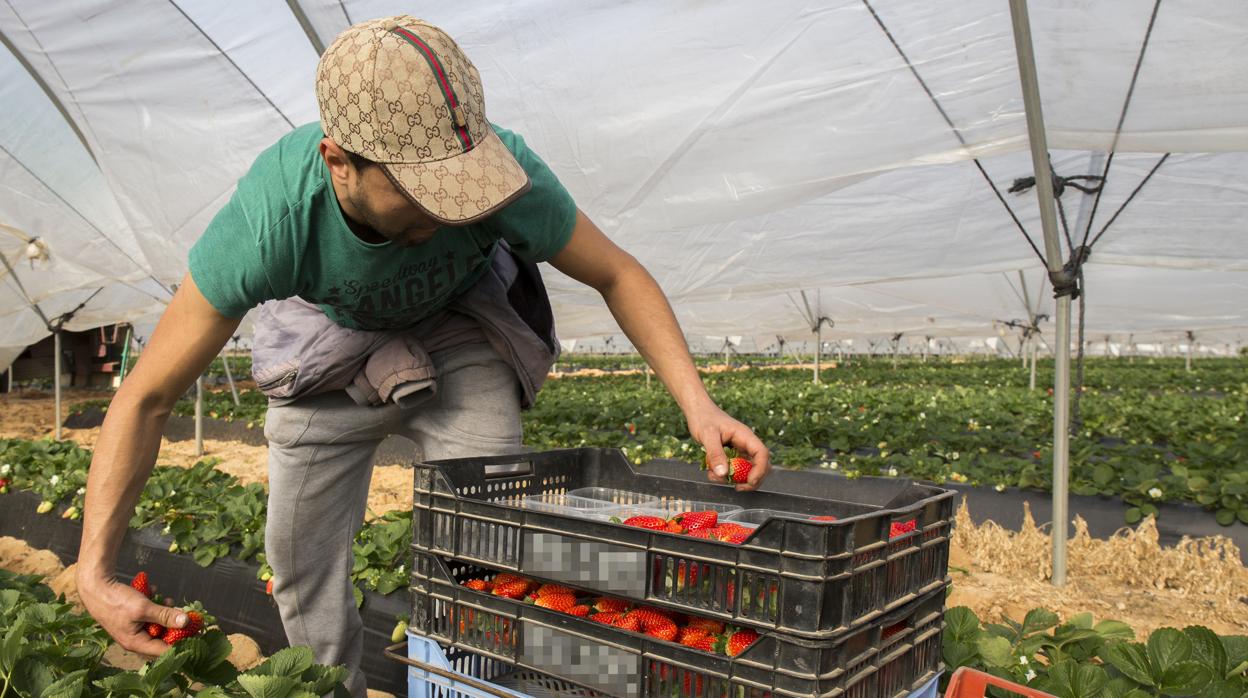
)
(470, 675)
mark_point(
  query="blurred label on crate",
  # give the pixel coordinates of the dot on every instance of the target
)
(611, 568)
(599, 666)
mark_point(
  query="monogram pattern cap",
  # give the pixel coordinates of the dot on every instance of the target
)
(400, 92)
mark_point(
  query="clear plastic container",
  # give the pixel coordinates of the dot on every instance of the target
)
(568, 505)
(757, 517)
(616, 497)
(680, 506)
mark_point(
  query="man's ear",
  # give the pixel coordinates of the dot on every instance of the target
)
(335, 158)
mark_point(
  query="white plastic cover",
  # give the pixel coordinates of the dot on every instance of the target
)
(743, 152)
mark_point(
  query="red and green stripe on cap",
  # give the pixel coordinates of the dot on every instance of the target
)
(435, 65)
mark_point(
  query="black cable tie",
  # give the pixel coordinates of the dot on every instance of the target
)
(1066, 281)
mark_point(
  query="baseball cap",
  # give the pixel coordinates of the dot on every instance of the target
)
(400, 92)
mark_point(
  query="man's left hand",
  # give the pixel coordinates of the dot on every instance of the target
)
(714, 429)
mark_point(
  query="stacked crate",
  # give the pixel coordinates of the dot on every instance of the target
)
(845, 607)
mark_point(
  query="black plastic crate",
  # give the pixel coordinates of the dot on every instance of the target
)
(892, 656)
(806, 578)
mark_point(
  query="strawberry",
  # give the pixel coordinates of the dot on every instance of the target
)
(674, 526)
(698, 520)
(552, 589)
(579, 610)
(556, 602)
(733, 535)
(156, 629)
(141, 584)
(734, 643)
(739, 469)
(607, 617)
(194, 626)
(662, 628)
(268, 587)
(707, 533)
(654, 523)
(628, 621)
(505, 577)
(478, 585)
(706, 625)
(901, 528)
(4, 485)
(823, 518)
(609, 605)
(697, 638)
(512, 589)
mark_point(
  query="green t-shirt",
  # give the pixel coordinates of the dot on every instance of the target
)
(283, 234)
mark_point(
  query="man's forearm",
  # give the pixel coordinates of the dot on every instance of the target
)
(644, 314)
(124, 456)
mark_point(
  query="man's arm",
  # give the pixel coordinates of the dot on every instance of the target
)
(644, 314)
(190, 333)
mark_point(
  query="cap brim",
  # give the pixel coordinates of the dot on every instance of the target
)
(465, 188)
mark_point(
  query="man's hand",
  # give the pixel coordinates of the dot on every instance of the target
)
(714, 429)
(125, 613)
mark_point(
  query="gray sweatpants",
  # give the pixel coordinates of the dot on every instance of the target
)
(320, 466)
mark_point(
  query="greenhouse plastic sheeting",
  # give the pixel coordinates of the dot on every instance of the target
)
(743, 152)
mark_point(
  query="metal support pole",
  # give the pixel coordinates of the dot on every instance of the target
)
(125, 355)
(199, 416)
(1191, 339)
(1032, 384)
(56, 379)
(818, 346)
(1053, 257)
(230, 378)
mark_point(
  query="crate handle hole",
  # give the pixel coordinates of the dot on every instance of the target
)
(502, 470)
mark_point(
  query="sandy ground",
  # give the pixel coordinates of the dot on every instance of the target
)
(996, 573)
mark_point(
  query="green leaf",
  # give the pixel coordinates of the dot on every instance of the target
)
(267, 686)
(1131, 658)
(1236, 647)
(127, 682)
(996, 651)
(961, 624)
(212, 692)
(1038, 619)
(69, 686)
(1133, 516)
(291, 661)
(1185, 679)
(958, 654)
(11, 648)
(1167, 647)
(1083, 621)
(1068, 679)
(162, 668)
(1225, 517)
(1103, 475)
(1113, 630)
(323, 679)
(1223, 688)
(1207, 649)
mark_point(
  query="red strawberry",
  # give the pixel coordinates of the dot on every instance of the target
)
(607, 618)
(823, 518)
(580, 610)
(556, 602)
(194, 626)
(703, 533)
(4, 485)
(609, 605)
(268, 587)
(478, 585)
(736, 536)
(697, 638)
(901, 528)
(706, 625)
(735, 643)
(505, 577)
(661, 628)
(698, 520)
(739, 469)
(155, 629)
(628, 621)
(653, 523)
(674, 526)
(515, 589)
(1037, 455)
(552, 589)
(140, 584)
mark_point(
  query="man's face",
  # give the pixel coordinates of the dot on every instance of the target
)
(387, 211)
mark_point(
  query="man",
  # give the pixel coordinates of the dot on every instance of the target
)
(384, 226)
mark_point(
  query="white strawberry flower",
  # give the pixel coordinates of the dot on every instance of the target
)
(892, 472)
(6, 468)
(82, 490)
(54, 480)
(1155, 493)
(1031, 675)
(955, 455)
(1000, 487)
(1023, 661)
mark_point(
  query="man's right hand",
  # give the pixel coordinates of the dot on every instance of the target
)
(125, 613)
(190, 333)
